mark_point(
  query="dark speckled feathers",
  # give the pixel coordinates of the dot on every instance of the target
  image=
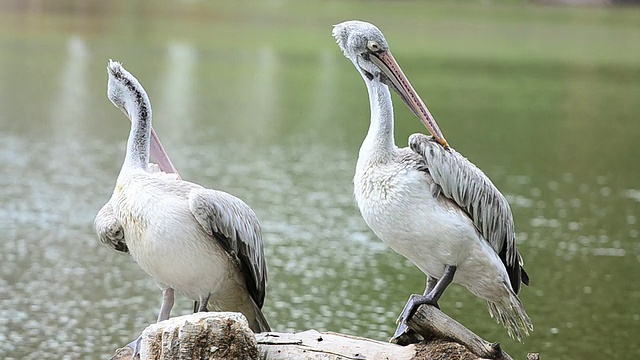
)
(123, 85)
(235, 226)
(462, 182)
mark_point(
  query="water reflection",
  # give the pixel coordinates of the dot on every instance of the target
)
(322, 95)
(70, 98)
(261, 85)
(177, 99)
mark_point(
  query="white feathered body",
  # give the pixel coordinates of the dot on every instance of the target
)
(168, 243)
(396, 201)
(400, 202)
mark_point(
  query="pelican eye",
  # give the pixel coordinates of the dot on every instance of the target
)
(373, 46)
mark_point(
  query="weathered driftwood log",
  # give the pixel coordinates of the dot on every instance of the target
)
(212, 335)
(227, 336)
(332, 346)
(430, 322)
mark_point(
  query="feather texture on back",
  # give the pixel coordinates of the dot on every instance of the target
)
(462, 182)
(232, 223)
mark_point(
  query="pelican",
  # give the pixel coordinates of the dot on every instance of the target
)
(428, 202)
(204, 243)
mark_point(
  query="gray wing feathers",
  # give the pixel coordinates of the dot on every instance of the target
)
(109, 230)
(232, 222)
(461, 181)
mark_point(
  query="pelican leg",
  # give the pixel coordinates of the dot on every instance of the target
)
(167, 304)
(204, 301)
(405, 336)
(165, 311)
(431, 283)
(433, 292)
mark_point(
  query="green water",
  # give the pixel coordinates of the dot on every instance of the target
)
(254, 98)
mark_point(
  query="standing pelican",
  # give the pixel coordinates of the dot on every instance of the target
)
(206, 244)
(427, 202)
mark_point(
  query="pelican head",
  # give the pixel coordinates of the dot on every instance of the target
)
(366, 47)
(126, 93)
(358, 40)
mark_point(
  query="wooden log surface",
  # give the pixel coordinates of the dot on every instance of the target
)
(211, 335)
(223, 335)
(429, 321)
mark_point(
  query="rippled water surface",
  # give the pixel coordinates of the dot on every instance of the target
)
(256, 99)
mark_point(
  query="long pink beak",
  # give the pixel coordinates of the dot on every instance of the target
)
(402, 86)
(160, 156)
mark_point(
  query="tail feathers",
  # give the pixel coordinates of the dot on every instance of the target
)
(511, 314)
(247, 307)
(257, 322)
(524, 276)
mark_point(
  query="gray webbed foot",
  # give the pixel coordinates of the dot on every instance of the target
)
(413, 304)
(403, 334)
